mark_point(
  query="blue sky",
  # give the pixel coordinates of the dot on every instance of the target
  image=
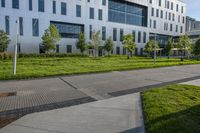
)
(193, 8)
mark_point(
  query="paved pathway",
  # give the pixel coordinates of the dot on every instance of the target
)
(193, 82)
(50, 93)
(120, 114)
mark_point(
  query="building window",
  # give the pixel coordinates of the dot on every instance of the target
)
(160, 2)
(183, 20)
(172, 6)
(41, 5)
(181, 29)
(7, 25)
(104, 2)
(114, 34)
(157, 12)
(133, 32)
(176, 28)
(68, 30)
(30, 4)
(154, 24)
(118, 50)
(91, 13)
(100, 14)
(169, 16)
(35, 27)
(54, 7)
(161, 14)
(139, 37)
(15, 4)
(78, 11)
(3, 4)
(103, 33)
(90, 29)
(152, 11)
(182, 9)
(177, 7)
(150, 23)
(21, 29)
(63, 8)
(171, 27)
(57, 48)
(121, 34)
(19, 48)
(69, 48)
(144, 37)
(121, 11)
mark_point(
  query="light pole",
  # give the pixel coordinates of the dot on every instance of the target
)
(15, 49)
(155, 49)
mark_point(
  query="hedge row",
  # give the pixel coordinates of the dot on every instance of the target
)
(22, 55)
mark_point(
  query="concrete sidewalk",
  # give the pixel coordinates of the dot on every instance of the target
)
(51, 93)
(122, 114)
(193, 82)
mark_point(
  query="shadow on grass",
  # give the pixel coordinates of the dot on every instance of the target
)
(186, 121)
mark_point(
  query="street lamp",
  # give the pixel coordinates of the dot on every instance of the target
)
(155, 50)
(15, 49)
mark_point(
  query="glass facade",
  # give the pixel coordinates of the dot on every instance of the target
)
(126, 12)
(161, 39)
(68, 30)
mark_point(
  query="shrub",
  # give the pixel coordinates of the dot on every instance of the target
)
(22, 55)
(5, 56)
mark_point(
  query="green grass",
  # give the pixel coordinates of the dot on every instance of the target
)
(41, 67)
(172, 109)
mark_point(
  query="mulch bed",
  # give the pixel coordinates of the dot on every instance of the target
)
(6, 121)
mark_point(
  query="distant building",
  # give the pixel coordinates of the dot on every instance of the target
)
(192, 28)
(145, 19)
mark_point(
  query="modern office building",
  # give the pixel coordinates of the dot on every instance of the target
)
(114, 18)
(192, 24)
(192, 29)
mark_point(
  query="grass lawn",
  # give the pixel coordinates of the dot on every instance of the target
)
(41, 67)
(172, 109)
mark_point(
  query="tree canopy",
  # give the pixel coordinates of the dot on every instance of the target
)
(50, 38)
(109, 45)
(4, 41)
(150, 46)
(81, 43)
(128, 43)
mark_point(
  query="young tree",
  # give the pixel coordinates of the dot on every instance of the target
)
(4, 41)
(149, 48)
(196, 49)
(169, 47)
(109, 45)
(128, 44)
(50, 38)
(81, 43)
(96, 42)
(184, 45)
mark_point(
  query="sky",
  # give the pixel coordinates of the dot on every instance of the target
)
(193, 8)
